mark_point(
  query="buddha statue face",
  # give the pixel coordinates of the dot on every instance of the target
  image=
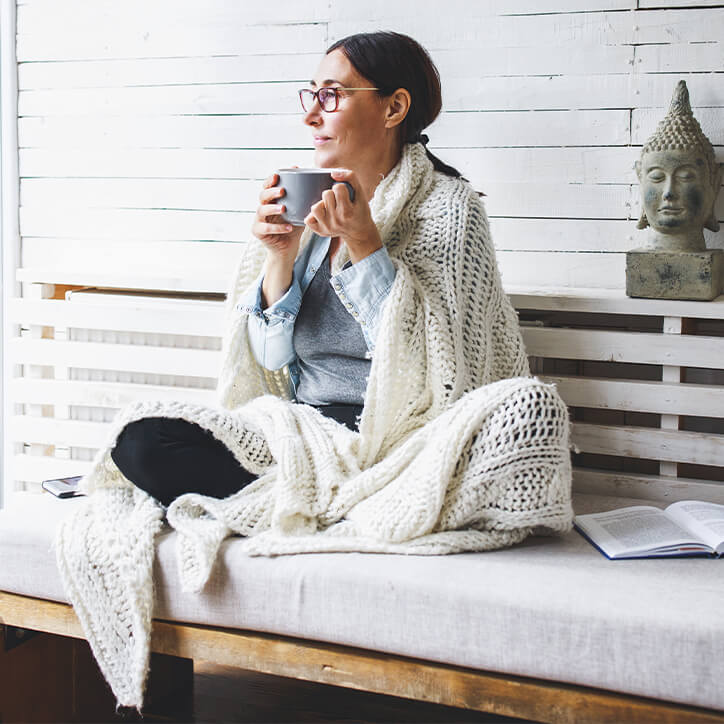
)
(678, 197)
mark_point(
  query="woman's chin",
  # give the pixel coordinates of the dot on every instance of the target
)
(325, 160)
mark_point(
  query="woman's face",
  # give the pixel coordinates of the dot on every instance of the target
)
(354, 136)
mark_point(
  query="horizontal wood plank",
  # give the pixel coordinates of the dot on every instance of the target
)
(119, 357)
(649, 443)
(640, 396)
(36, 468)
(114, 395)
(614, 346)
(170, 316)
(612, 301)
(51, 431)
(646, 487)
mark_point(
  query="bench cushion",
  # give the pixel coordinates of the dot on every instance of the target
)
(551, 608)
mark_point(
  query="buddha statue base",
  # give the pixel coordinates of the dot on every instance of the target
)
(695, 275)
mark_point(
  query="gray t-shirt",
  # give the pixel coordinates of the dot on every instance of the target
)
(331, 349)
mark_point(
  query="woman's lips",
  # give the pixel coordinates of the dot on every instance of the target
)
(319, 140)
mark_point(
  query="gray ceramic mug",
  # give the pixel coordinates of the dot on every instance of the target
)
(304, 188)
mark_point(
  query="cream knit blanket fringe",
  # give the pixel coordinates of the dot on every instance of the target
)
(457, 449)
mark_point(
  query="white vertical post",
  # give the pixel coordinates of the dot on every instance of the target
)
(10, 193)
(670, 373)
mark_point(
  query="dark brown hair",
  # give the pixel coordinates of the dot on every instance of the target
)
(391, 61)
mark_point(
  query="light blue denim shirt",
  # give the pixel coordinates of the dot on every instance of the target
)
(362, 288)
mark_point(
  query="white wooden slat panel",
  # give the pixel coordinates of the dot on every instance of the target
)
(480, 165)
(649, 443)
(152, 163)
(237, 68)
(451, 130)
(34, 468)
(645, 120)
(299, 67)
(518, 236)
(68, 433)
(678, 3)
(462, 93)
(640, 396)
(539, 269)
(574, 91)
(38, 194)
(199, 261)
(559, 234)
(679, 58)
(613, 302)
(157, 14)
(120, 357)
(103, 394)
(646, 487)
(135, 224)
(236, 98)
(436, 30)
(127, 37)
(525, 128)
(637, 347)
(482, 61)
(564, 202)
(382, 10)
(197, 317)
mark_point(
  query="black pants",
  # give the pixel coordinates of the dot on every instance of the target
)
(168, 457)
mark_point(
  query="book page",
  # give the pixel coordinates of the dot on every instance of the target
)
(638, 529)
(706, 520)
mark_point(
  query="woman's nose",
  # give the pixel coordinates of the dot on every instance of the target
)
(312, 117)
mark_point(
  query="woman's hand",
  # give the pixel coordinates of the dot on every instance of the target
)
(280, 238)
(351, 221)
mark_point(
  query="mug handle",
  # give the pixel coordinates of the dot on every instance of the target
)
(350, 188)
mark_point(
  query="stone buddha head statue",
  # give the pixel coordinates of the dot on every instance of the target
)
(679, 179)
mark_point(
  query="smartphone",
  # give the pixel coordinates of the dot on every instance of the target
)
(63, 487)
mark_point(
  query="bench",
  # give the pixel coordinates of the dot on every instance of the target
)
(548, 630)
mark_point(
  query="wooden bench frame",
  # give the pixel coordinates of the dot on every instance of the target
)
(504, 695)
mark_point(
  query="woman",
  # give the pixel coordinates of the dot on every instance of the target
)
(403, 419)
(373, 94)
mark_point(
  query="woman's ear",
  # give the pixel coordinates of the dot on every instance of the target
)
(398, 105)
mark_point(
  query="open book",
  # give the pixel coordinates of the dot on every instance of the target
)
(686, 528)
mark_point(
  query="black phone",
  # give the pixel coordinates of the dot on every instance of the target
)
(63, 487)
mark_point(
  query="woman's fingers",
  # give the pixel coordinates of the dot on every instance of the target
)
(267, 210)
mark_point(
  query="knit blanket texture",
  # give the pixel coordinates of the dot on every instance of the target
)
(458, 448)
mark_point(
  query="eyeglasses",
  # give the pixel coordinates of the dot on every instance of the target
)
(327, 97)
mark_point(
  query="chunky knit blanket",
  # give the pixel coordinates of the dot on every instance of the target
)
(458, 448)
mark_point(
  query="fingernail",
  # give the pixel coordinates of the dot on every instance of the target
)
(288, 227)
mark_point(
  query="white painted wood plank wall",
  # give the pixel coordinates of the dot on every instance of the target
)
(145, 126)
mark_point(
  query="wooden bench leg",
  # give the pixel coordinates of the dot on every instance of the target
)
(49, 678)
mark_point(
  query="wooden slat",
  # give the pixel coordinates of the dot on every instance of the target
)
(101, 394)
(126, 37)
(201, 318)
(611, 301)
(504, 695)
(638, 347)
(36, 468)
(120, 357)
(174, 282)
(649, 443)
(586, 202)
(591, 269)
(646, 487)
(66, 433)
(640, 396)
